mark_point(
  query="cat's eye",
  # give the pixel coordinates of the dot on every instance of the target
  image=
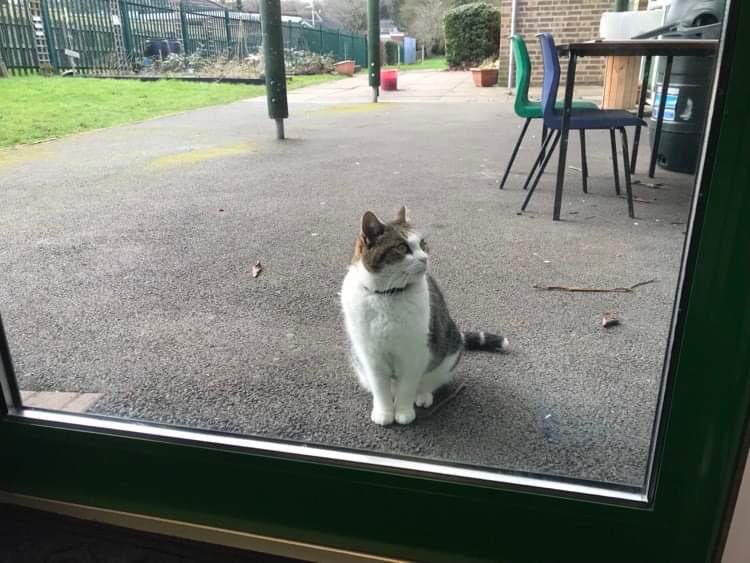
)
(403, 247)
(423, 245)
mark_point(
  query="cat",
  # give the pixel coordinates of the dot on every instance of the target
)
(404, 344)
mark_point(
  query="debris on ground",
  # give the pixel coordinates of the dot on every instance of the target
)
(628, 289)
(639, 199)
(609, 320)
(653, 186)
(448, 399)
(257, 269)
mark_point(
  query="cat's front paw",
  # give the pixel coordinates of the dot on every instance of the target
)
(381, 417)
(423, 400)
(405, 416)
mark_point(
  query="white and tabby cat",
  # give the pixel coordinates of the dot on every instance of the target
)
(404, 343)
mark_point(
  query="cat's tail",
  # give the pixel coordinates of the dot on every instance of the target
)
(484, 342)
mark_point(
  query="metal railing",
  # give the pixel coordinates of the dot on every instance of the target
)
(109, 35)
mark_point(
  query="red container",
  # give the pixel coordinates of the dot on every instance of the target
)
(389, 78)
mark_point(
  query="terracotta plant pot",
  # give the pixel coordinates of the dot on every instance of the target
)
(484, 77)
(345, 67)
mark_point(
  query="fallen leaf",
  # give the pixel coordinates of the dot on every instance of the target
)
(257, 269)
(609, 320)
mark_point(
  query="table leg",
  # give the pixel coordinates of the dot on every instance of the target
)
(569, 83)
(641, 103)
(660, 119)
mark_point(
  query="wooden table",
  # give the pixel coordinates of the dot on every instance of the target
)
(648, 48)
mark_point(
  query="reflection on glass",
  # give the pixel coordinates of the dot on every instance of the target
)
(188, 270)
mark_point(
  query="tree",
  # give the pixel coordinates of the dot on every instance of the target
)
(424, 20)
(350, 15)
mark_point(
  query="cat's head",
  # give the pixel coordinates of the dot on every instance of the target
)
(393, 253)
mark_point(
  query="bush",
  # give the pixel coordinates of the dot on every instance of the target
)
(472, 34)
(391, 53)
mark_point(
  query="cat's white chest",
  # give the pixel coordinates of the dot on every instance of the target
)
(386, 325)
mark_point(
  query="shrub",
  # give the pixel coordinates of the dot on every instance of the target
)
(391, 53)
(472, 34)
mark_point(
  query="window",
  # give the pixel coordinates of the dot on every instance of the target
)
(404, 503)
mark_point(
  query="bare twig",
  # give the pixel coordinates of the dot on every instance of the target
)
(448, 399)
(593, 289)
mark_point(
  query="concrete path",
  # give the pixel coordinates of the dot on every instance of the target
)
(126, 273)
(417, 87)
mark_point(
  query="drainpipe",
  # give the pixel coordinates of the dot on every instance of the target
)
(510, 45)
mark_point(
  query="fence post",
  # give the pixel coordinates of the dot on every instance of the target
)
(321, 51)
(184, 29)
(373, 45)
(127, 37)
(229, 34)
(273, 54)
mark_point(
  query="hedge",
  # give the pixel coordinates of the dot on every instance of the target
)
(472, 34)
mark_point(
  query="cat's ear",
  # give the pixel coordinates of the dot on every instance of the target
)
(372, 228)
(403, 215)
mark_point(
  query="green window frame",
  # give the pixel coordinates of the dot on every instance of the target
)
(411, 514)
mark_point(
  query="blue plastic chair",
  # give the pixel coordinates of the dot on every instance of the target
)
(529, 110)
(580, 120)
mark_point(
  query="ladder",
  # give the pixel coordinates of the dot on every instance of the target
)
(121, 56)
(40, 37)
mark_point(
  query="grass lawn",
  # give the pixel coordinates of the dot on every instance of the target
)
(34, 108)
(435, 63)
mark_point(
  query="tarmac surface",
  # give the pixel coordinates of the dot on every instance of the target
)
(127, 257)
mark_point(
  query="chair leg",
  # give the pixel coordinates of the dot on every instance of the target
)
(625, 162)
(545, 133)
(541, 169)
(584, 165)
(537, 162)
(515, 152)
(614, 160)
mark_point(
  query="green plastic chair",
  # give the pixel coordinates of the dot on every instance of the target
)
(529, 110)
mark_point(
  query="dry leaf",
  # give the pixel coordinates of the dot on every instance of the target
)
(257, 269)
(609, 320)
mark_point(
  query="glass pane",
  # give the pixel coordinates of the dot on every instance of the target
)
(181, 266)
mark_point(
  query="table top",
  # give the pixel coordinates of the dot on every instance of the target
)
(641, 47)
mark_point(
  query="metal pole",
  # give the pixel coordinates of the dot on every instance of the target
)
(273, 55)
(373, 45)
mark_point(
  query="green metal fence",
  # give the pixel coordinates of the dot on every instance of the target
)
(113, 34)
(81, 26)
(17, 37)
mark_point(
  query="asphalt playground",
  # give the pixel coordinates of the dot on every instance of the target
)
(127, 256)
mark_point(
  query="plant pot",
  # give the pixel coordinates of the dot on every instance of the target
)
(345, 67)
(389, 78)
(484, 77)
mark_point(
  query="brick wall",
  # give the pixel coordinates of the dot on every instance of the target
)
(567, 20)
